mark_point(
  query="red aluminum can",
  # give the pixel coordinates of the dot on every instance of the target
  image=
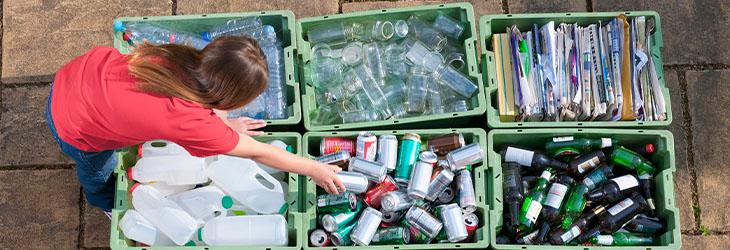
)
(374, 195)
(472, 221)
(366, 146)
(334, 144)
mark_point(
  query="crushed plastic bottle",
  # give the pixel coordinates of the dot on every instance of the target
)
(233, 26)
(139, 32)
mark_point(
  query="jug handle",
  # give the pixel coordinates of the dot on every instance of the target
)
(270, 179)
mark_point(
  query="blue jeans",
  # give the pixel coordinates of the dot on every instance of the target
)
(94, 169)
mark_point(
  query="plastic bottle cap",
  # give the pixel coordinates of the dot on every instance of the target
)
(118, 26)
(190, 244)
(269, 29)
(205, 35)
(227, 202)
(289, 149)
(125, 37)
(649, 148)
(131, 190)
(129, 174)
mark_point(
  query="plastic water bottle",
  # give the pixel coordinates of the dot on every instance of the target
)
(162, 147)
(139, 33)
(167, 190)
(170, 169)
(204, 203)
(232, 26)
(164, 214)
(256, 109)
(248, 230)
(243, 180)
(137, 228)
(276, 92)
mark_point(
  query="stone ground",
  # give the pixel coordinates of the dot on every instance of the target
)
(41, 200)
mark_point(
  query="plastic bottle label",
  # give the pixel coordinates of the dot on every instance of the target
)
(570, 234)
(589, 164)
(562, 138)
(520, 156)
(620, 206)
(626, 182)
(605, 240)
(533, 211)
(545, 175)
(606, 142)
(555, 195)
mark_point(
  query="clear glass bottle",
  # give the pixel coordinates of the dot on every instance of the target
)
(435, 106)
(417, 91)
(423, 32)
(455, 80)
(371, 88)
(448, 26)
(335, 33)
(374, 61)
(394, 58)
(360, 116)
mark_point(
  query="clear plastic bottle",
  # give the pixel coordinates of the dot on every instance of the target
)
(455, 80)
(418, 54)
(325, 114)
(448, 26)
(401, 29)
(243, 180)
(458, 106)
(138, 33)
(432, 38)
(164, 214)
(204, 203)
(232, 26)
(247, 230)
(135, 227)
(256, 109)
(170, 169)
(418, 91)
(276, 99)
(374, 61)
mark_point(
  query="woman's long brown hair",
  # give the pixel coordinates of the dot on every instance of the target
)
(227, 74)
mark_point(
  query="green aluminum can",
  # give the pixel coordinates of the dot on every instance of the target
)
(407, 156)
(392, 236)
(335, 221)
(336, 203)
(342, 236)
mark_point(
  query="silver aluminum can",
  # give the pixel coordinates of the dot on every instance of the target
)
(366, 227)
(338, 158)
(467, 155)
(421, 177)
(424, 221)
(439, 184)
(395, 201)
(388, 151)
(319, 238)
(465, 186)
(366, 146)
(392, 216)
(374, 171)
(453, 221)
(354, 182)
(447, 196)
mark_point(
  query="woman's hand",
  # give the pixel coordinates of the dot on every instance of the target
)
(246, 125)
(326, 177)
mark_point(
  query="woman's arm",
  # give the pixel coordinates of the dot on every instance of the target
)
(324, 175)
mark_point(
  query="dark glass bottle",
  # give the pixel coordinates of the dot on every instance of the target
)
(582, 224)
(620, 213)
(553, 203)
(614, 189)
(586, 162)
(529, 158)
(513, 190)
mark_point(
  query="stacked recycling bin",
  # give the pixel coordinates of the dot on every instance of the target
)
(578, 173)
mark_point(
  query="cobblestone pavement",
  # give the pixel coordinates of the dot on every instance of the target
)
(43, 206)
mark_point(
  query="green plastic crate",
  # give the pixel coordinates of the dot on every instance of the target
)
(459, 11)
(295, 217)
(471, 135)
(536, 138)
(283, 23)
(491, 24)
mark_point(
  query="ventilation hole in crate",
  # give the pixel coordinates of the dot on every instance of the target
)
(310, 203)
(145, 18)
(292, 178)
(455, 114)
(457, 245)
(628, 13)
(383, 10)
(580, 130)
(580, 124)
(567, 14)
(334, 133)
(498, 200)
(487, 22)
(396, 247)
(641, 123)
(204, 15)
(441, 5)
(519, 124)
(395, 121)
(325, 17)
(509, 15)
(263, 12)
(337, 126)
(641, 131)
(497, 176)
(519, 130)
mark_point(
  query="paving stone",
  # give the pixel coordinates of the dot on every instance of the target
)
(40, 209)
(683, 174)
(40, 36)
(300, 8)
(693, 31)
(546, 6)
(96, 227)
(708, 98)
(709, 242)
(24, 135)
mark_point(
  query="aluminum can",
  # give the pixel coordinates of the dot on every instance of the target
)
(366, 227)
(465, 187)
(407, 157)
(395, 201)
(339, 158)
(392, 236)
(424, 221)
(342, 236)
(393, 216)
(472, 222)
(334, 144)
(374, 195)
(453, 221)
(439, 184)
(421, 175)
(335, 221)
(366, 146)
(388, 151)
(354, 182)
(442, 145)
(336, 203)
(374, 171)
(467, 155)
(447, 196)
(319, 238)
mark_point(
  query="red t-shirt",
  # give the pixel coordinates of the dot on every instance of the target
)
(96, 106)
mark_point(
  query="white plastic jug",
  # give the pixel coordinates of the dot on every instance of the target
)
(247, 230)
(167, 190)
(162, 147)
(204, 203)
(164, 214)
(270, 170)
(137, 228)
(170, 169)
(247, 183)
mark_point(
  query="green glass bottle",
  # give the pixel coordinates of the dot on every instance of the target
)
(576, 201)
(631, 160)
(560, 146)
(532, 206)
(622, 239)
